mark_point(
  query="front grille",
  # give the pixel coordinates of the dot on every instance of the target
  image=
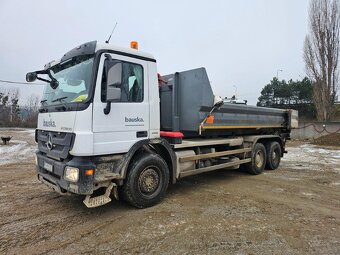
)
(55, 144)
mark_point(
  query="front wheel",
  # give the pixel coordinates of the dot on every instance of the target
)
(147, 181)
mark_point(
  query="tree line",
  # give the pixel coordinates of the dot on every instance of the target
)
(12, 114)
(297, 95)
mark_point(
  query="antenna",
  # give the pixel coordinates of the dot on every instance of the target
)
(108, 40)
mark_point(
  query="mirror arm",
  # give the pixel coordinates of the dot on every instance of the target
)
(107, 109)
(108, 57)
(42, 79)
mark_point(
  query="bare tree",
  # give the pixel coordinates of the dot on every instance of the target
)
(321, 54)
(32, 103)
(9, 107)
(32, 110)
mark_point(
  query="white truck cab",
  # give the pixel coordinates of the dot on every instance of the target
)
(80, 74)
(100, 107)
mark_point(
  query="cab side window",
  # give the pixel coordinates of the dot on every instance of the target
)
(132, 87)
(132, 83)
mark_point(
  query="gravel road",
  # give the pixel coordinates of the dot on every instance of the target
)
(292, 210)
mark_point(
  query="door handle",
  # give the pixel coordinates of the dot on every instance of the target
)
(142, 134)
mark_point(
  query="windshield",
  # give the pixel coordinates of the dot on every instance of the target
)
(74, 78)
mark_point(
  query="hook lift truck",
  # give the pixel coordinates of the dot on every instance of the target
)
(110, 126)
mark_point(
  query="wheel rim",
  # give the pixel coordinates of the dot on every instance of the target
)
(149, 180)
(259, 159)
(276, 156)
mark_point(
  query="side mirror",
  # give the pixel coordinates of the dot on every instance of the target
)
(30, 77)
(114, 71)
(113, 94)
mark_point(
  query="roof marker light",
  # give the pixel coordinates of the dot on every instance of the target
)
(134, 45)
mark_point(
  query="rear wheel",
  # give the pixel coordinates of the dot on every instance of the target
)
(274, 152)
(147, 181)
(258, 159)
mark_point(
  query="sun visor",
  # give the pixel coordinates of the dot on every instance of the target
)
(84, 49)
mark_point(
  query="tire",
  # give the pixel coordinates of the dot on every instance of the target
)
(274, 152)
(258, 160)
(146, 182)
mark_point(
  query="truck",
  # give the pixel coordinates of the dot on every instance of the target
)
(109, 126)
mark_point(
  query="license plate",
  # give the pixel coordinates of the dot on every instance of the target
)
(48, 167)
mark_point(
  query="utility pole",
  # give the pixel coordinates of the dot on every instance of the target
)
(11, 114)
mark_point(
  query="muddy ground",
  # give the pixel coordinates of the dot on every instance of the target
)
(292, 210)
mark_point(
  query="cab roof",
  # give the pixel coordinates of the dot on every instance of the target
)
(93, 47)
(128, 51)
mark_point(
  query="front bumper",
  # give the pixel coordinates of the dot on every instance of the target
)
(54, 176)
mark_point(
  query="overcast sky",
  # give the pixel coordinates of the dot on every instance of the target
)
(242, 44)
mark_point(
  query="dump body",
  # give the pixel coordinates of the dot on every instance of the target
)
(187, 99)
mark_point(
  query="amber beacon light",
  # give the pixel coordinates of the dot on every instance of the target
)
(134, 45)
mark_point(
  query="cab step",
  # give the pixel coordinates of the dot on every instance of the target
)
(92, 202)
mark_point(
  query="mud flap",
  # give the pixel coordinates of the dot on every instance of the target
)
(92, 202)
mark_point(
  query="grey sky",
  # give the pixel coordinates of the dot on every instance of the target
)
(241, 43)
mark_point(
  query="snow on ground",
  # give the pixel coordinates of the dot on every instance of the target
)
(20, 148)
(312, 158)
(16, 151)
(30, 132)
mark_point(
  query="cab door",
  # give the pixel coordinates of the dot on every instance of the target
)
(127, 122)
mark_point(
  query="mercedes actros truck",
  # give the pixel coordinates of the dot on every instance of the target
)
(110, 126)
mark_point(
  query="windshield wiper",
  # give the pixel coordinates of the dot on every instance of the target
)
(43, 109)
(60, 99)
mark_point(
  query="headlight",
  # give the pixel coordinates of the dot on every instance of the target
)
(71, 174)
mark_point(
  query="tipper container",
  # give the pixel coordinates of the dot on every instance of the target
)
(187, 99)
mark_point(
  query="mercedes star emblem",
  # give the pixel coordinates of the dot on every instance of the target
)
(49, 142)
